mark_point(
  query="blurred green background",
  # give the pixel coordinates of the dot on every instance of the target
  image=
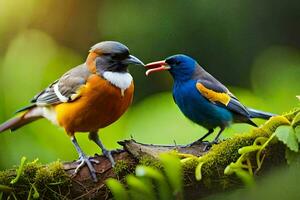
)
(251, 46)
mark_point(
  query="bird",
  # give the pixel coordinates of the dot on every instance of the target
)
(86, 98)
(202, 98)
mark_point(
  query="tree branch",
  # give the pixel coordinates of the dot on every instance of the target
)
(56, 181)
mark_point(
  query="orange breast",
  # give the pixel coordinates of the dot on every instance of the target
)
(100, 104)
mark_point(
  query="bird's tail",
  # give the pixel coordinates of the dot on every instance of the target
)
(26, 116)
(259, 114)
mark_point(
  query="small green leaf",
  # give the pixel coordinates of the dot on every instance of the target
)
(198, 171)
(163, 187)
(149, 172)
(173, 171)
(297, 133)
(292, 157)
(287, 135)
(19, 171)
(245, 177)
(117, 189)
(140, 188)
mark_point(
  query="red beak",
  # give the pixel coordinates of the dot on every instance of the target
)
(156, 66)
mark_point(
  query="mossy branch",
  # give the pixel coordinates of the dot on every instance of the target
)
(56, 180)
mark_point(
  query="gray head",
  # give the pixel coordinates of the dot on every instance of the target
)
(112, 56)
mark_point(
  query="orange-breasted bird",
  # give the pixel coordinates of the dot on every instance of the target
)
(202, 98)
(87, 98)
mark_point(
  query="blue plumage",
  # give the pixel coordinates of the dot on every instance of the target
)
(197, 108)
(202, 98)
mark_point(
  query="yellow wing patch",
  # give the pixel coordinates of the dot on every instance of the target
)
(213, 96)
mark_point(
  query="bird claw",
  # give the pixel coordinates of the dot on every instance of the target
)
(84, 160)
(94, 160)
(198, 142)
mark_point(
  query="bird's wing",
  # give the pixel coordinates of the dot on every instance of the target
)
(217, 93)
(65, 89)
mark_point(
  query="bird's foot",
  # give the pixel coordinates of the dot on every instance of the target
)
(208, 144)
(215, 142)
(198, 142)
(85, 160)
(108, 155)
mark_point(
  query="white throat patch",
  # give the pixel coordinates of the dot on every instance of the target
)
(118, 79)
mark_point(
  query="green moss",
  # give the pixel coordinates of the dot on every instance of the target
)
(120, 166)
(6, 176)
(123, 167)
(190, 165)
(48, 174)
(271, 125)
(31, 168)
(227, 151)
(222, 154)
(50, 182)
(150, 161)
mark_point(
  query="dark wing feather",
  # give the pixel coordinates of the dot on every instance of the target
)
(68, 86)
(210, 83)
(236, 106)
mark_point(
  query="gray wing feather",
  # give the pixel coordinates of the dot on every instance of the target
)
(68, 84)
(46, 96)
(236, 106)
(208, 80)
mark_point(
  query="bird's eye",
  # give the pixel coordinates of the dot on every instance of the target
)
(173, 62)
(115, 56)
(119, 56)
(106, 54)
(176, 62)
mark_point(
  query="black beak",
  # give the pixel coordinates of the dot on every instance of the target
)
(132, 60)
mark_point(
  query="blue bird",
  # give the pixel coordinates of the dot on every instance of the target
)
(202, 98)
